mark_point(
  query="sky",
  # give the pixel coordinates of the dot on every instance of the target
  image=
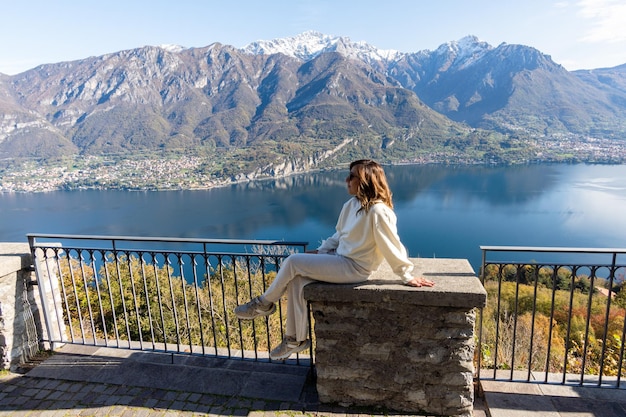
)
(578, 34)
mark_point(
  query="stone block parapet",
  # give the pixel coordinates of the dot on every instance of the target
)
(19, 340)
(384, 344)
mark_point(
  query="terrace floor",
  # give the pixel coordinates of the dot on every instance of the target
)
(81, 380)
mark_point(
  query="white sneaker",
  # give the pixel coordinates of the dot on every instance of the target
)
(254, 308)
(288, 347)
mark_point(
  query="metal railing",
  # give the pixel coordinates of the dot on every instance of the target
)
(555, 320)
(161, 294)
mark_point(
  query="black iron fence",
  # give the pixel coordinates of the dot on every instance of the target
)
(553, 315)
(161, 294)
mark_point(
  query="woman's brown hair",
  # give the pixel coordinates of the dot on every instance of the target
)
(373, 186)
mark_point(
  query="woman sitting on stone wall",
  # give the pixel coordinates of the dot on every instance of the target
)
(366, 234)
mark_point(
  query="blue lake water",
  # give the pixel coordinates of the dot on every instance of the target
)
(443, 211)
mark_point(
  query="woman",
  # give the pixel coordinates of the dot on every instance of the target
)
(366, 234)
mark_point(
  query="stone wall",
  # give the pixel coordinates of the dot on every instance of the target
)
(20, 323)
(384, 344)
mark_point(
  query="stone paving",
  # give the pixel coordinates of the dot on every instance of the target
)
(21, 395)
(91, 381)
(27, 396)
(84, 381)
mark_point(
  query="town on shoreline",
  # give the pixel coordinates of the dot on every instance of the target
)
(183, 172)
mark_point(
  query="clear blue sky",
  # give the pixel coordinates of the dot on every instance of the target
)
(578, 34)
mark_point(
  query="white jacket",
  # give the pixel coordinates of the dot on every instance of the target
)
(368, 238)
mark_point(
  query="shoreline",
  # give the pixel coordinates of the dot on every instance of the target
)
(42, 185)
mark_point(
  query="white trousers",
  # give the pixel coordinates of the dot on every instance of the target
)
(300, 269)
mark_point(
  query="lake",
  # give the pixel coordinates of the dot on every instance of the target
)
(443, 211)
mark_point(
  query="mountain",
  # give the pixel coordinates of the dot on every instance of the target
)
(511, 87)
(305, 102)
(242, 110)
(610, 80)
(506, 88)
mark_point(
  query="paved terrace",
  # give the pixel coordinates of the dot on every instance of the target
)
(80, 380)
(92, 381)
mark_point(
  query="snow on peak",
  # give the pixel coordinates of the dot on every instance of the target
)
(308, 45)
(466, 50)
(172, 48)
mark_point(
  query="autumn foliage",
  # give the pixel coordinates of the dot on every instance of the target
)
(135, 301)
(539, 319)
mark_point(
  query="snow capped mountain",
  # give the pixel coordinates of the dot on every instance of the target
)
(227, 97)
(308, 45)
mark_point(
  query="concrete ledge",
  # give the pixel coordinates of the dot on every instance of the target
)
(14, 257)
(456, 285)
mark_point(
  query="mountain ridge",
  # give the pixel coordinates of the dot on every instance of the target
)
(308, 102)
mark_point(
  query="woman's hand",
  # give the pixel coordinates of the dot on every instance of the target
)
(420, 282)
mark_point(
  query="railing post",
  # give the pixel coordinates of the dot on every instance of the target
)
(48, 284)
(480, 316)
